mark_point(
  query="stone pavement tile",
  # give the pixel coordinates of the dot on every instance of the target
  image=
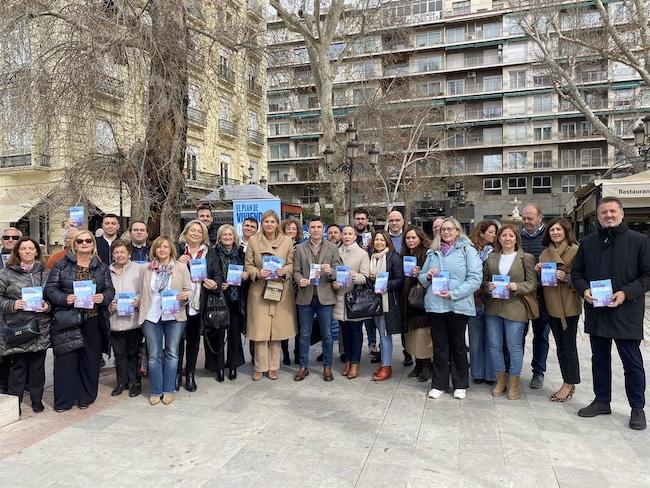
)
(434, 467)
(254, 475)
(481, 467)
(380, 475)
(577, 477)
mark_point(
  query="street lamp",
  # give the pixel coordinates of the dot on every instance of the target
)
(347, 166)
(251, 169)
(642, 137)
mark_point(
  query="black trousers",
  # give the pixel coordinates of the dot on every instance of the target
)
(27, 370)
(5, 366)
(231, 354)
(76, 373)
(601, 369)
(189, 345)
(126, 346)
(449, 350)
(567, 352)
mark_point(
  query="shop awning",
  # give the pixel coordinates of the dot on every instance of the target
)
(108, 200)
(633, 190)
(14, 205)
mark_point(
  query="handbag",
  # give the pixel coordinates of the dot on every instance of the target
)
(216, 314)
(273, 291)
(362, 302)
(20, 332)
(68, 318)
(416, 295)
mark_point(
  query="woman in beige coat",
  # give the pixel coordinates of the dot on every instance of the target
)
(359, 263)
(269, 321)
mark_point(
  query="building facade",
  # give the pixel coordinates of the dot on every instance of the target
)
(507, 133)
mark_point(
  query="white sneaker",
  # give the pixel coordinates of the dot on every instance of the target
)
(435, 393)
(459, 394)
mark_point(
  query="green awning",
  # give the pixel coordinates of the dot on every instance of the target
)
(300, 137)
(460, 46)
(305, 115)
(469, 98)
(541, 91)
(491, 42)
(626, 84)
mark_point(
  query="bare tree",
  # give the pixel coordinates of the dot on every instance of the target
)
(578, 45)
(321, 24)
(68, 60)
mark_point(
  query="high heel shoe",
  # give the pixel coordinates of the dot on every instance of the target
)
(557, 397)
(220, 375)
(232, 374)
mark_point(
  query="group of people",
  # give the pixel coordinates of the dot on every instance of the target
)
(273, 286)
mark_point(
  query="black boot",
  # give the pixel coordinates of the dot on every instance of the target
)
(220, 376)
(232, 374)
(190, 384)
(408, 359)
(179, 380)
(425, 373)
(286, 358)
(416, 371)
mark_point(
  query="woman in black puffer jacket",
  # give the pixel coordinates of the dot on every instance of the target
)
(25, 269)
(78, 349)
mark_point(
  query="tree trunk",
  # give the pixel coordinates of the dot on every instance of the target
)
(166, 132)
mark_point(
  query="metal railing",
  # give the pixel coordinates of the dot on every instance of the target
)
(225, 73)
(254, 89)
(196, 116)
(24, 160)
(256, 137)
(227, 127)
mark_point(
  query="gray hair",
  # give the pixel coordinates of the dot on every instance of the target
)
(206, 238)
(20, 233)
(435, 245)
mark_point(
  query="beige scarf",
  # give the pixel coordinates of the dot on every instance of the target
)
(378, 265)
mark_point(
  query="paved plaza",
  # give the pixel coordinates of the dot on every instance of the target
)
(341, 434)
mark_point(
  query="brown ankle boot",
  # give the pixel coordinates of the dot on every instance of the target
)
(383, 373)
(500, 387)
(354, 371)
(513, 388)
(346, 369)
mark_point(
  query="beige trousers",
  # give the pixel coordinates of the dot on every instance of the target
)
(267, 355)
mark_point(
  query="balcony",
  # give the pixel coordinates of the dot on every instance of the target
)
(584, 163)
(396, 70)
(566, 106)
(202, 180)
(228, 128)
(543, 163)
(24, 160)
(196, 116)
(398, 16)
(482, 113)
(592, 76)
(579, 134)
(254, 89)
(226, 74)
(255, 137)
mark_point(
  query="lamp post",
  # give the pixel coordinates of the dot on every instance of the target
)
(251, 169)
(347, 166)
(642, 138)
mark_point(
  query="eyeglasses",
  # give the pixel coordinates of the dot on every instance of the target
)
(82, 241)
(447, 229)
(13, 238)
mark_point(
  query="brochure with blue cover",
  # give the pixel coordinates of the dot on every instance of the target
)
(125, 307)
(501, 289)
(5, 258)
(440, 283)
(410, 262)
(314, 274)
(601, 292)
(169, 304)
(381, 283)
(272, 263)
(33, 298)
(233, 278)
(77, 215)
(83, 292)
(547, 275)
(343, 277)
(198, 269)
(366, 237)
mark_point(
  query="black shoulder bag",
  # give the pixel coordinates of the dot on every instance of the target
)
(362, 302)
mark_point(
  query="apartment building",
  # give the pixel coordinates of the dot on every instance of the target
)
(507, 133)
(225, 135)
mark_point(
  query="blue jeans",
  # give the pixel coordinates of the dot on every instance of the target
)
(352, 341)
(385, 340)
(480, 361)
(334, 326)
(162, 363)
(306, 316)
(514, 332)
(371, 332)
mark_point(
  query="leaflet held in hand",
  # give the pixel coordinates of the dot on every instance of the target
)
(169, 304)
(234, 278)
(547, 274)
(601, 292)
(410, 262)
(501, 289)
(272, 263)
(198, 269)
(77, 216)
(33, 298)
(125, 307)
(440, 283)
(343, 277)
(381, 283)
(83, 292)
(314, 274)
(365, 239)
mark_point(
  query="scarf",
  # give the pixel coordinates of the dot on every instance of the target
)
(446, 247)
(485, 252)
(27, 267)
(378, 265)
(195, 299)
(163, 274)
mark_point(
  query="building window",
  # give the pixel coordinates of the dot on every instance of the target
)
(568, 130)
(307, 149)
(278, 129)
(191, 161)
(624, 98)
(568, 158)
(492, 163)
(279, 151)
(517, 106)
(308, 101)
(542, 132)
(492, 83)
(105, 142)
(361, 95)
(586, 180)
(591, 157)
(568, 183)
(456, 34)
(461, 8)
(226, 162)
(542, 159)
(542, 184)
(458, 165)
(430, 38)
(517, 160)
(278, 103)
(518, 79)
(517, 185)
(429, 63)
(514, 53)
(455, 87)
(516, 133)
(542, 104)
(274, 176)
(492, 186)
(492, 135)
(624, 127)
(428, 89)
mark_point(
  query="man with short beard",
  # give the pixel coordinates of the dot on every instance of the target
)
(139, 245)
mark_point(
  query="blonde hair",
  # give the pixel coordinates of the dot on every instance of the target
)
(81, 232)
(224, 228)
(204, 229)
(271, 213)
(435, 245)
(157, 242)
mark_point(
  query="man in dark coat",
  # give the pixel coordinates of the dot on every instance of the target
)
(621, 255)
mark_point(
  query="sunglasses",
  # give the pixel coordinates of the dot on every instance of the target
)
(81, 241)
(7, 238)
